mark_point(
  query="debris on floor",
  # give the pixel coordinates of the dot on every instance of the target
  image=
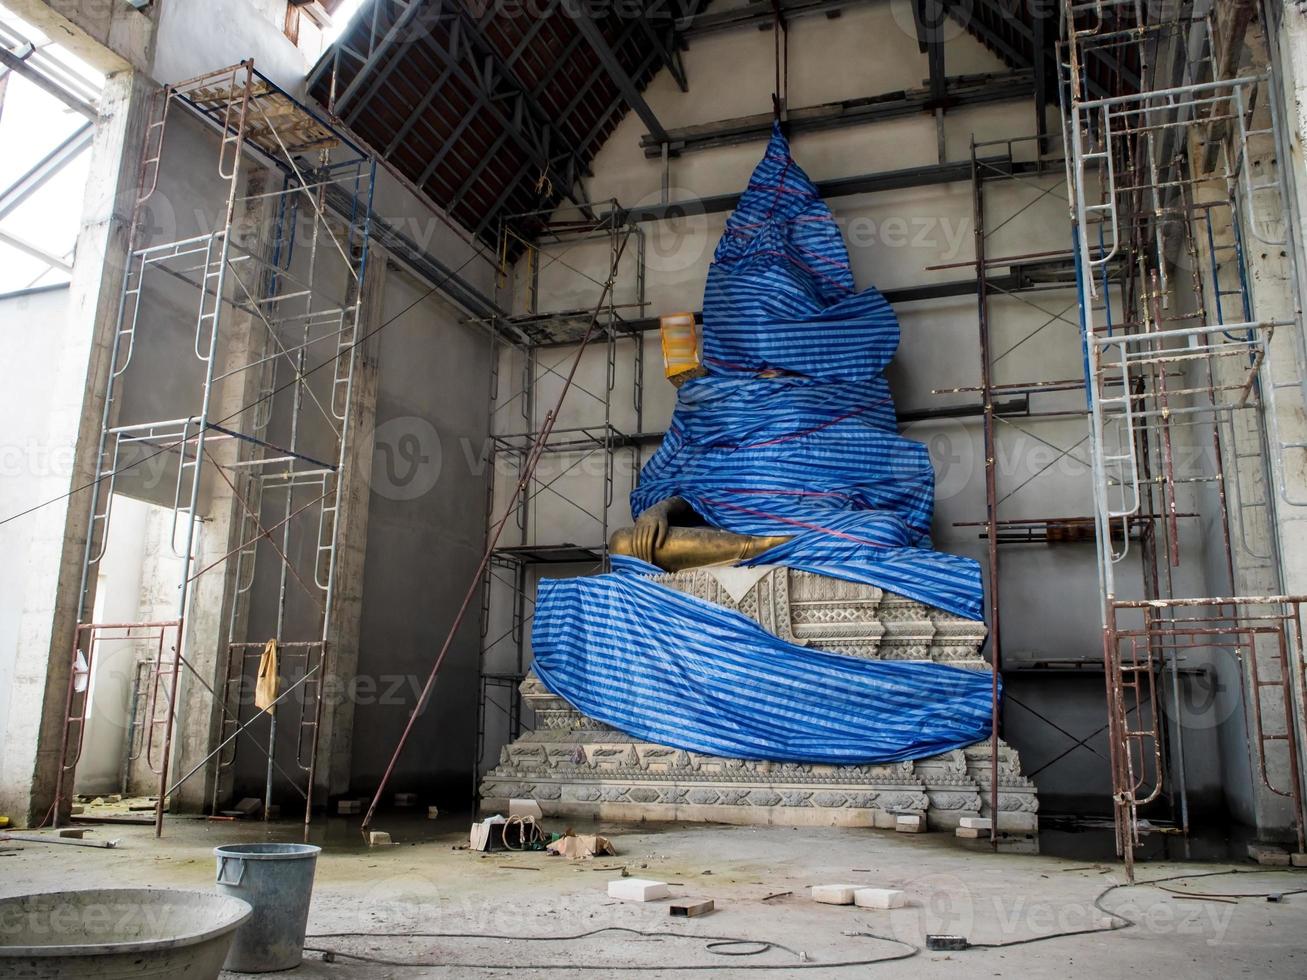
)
(834, 894)
(38, 838)
(483, 834)
(249, 806)
(909, 823)
(879, 898)
(690, 907)
(525, 808)
(580, 846)
(638, 890)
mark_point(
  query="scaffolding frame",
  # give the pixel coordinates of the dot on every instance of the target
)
(293, 183)
(515, 427)
(1184, 362)
(1026, 279)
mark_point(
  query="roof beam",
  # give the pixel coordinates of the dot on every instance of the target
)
(20, 65)
(378, 53)
(495, 87)
(616, 104)
(1051, 274)
(625, 84)
(960, 90)
(36, 252)
(667, 45)
(40, 174)
(429, 98)
(928, 16)
(762, 15)
(888, 180)
(963, 16)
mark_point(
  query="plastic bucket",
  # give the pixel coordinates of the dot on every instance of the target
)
(277, 880)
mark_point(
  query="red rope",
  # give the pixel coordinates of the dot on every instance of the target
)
(797, 523)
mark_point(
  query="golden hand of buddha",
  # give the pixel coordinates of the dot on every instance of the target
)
(660, 538)
(650, 531)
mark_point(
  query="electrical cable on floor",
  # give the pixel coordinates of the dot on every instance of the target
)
(718, 945)
(723, 945)
(1124, 921)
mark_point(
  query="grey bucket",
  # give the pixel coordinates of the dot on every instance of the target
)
(277, 879)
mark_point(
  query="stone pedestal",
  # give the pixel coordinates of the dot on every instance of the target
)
(574, 766)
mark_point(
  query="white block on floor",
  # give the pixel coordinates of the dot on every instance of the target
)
(638, 890)
(975, 823)
(909, 823)
(971, 833)
(879, 898)
(834, 894)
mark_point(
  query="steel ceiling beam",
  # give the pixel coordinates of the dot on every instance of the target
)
(20, 66)
(40, 174)
(625, 84)
(434, 91)
(761, 15)
(379, 52)
(962, 90)
(36, 252)
(494, 88)
(927, 16)
(616, 104)
(888, 180)
(665, 38)
(963, 15)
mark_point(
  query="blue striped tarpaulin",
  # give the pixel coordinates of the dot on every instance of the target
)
(792, 432)
(674, 669)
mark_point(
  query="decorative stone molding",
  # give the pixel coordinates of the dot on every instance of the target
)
(576, 766)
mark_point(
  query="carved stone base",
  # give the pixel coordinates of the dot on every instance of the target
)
(605, 774)
(574, 766)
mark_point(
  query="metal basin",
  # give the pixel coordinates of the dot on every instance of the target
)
(118, 932)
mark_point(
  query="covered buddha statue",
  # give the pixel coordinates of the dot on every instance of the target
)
(784, 445)
(783, 450)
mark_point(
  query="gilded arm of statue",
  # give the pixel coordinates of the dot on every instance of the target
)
(672, 536)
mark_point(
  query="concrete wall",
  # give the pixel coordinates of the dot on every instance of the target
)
(197, 36)
(32, 327)
(426, 530)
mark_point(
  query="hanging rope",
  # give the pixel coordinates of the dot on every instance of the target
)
(780, 91)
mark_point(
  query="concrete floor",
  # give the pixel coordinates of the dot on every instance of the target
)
(425, 884)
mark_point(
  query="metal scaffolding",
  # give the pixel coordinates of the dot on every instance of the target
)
(1192, 375)
(282, 267)
(537, 346)
(1011, 179)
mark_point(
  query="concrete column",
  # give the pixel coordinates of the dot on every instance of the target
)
(57, 532)
(243, 340)
(335, 750)
(1291, 41)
